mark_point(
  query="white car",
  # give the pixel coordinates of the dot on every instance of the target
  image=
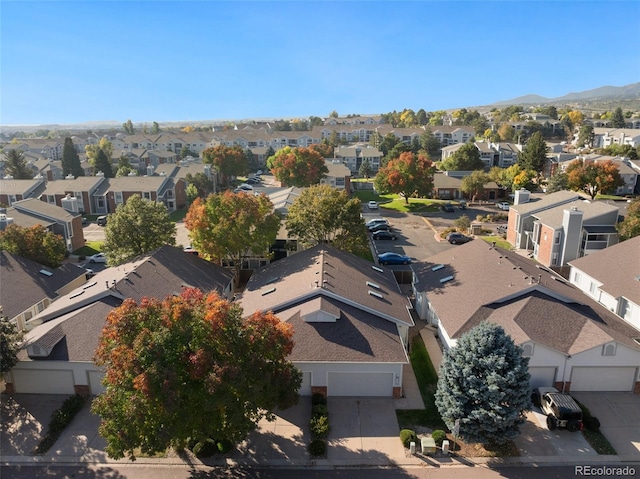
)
(376, 221)
(246, 187)
(373, 205)
(97, 258)
(504, 205)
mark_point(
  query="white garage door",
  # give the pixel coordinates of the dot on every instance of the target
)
(360, 384)
(305, 389)
(95, 385)
(602, 379)
(542, 376)
(36, 381)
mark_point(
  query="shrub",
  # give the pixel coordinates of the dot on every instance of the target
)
(479, 218)
(319, 426)
(407, 436)
(317, 448)
(224, 446)
(592, 423)
(318, 398)
(319, 410)
(60, 418)
(438, 436)
(205, 448)
(444, 233)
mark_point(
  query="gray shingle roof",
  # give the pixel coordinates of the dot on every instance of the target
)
(488, 282)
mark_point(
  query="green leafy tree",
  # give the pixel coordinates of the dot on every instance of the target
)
(466, 158)
(232, 226)
(103, 164)
(15, 164)
(155, 128)
(593, 177)
(228, 160)
(473, 185)
(322, 214)
(325, 149)
(586, 136)
(192, 193)
(630, 226)
(463, 223)
(534, 154)
(71, 160)
(616, 149)
(617, 119)
(558, 182)
(250, 158)
(165, 360)
(430, 144)
(185, 151)
(365, 169)
(297, 166)
(270, 152)
(10, 339)
(421, 117)
(128, 127)
(124, 166)
(35, 243)
(202, 183)
(484, 382)
(408, 175)
(334, 114)
(137, 227)
(92, 151)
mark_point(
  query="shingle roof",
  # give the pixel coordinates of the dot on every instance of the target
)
(324, 270)
(37, 207)
(616, 267)
(19, 187)
(23, 285)
(81, 183)
(493, 280)
(547, 201)
(552, 217)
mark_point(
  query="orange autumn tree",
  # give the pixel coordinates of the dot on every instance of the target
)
(297, 166)
(190, 367)
(409, 174)
(228, 160)
(593, 177)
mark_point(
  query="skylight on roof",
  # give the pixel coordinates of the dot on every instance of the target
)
(45, 272)
(437, 267)
(377, 295)
(446, 278)
(373, 285)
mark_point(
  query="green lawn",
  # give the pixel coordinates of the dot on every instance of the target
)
(90, 248)
(504, 244)
(427, 383)
(396, 202)
(178, 215)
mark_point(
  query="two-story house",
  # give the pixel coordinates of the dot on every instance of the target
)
(15, 190)
(353, 156)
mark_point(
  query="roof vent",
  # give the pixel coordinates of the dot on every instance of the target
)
(373, 285)
(446, 278)
(375, 268)
(437, 267)
(45, 272)
(377, 295)
(269, 291)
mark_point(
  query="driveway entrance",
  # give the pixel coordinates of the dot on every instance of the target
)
(619, 415)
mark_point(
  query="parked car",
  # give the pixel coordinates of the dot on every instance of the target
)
(504, 205)
(379, 227)
(97, 258)
(561, 410)
(458, 238)
(189, 249)
(253, 181)
(246, 187)
(384, 235)
(85, 221)
(462, 205)
(376, 221)
(393, 258)
(447, 208)
(372, 205)
(102, 220)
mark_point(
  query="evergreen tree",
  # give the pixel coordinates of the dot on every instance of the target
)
(484, 382)
(617, 119)
(155, 129)
(71, 160)
(15, 164)
(365, 169)
(128, 127)
(558, 182)
(467, 158)
(534, 154)
(103, 164)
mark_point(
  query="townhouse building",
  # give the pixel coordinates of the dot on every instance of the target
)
(604, 137)
(353, 156)
(15, 190)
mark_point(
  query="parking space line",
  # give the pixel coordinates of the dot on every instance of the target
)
(429, 224)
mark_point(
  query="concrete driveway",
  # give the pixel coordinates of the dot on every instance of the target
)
(535, 439)
(619, 415)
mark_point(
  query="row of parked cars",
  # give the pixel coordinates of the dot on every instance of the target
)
(380, 229)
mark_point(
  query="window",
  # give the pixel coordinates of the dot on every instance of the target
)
(527, 350)
(576, 277)
(118, 197)
(554, 259)
(557, 238)
(592, 288)
(40, 306)
(609, 349)
(146, 195)
(28, 315)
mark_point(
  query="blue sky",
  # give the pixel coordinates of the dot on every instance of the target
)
(71, 62)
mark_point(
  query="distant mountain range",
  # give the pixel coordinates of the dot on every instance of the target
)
(631, 91)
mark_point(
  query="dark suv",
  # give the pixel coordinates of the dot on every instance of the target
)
(561, 409)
